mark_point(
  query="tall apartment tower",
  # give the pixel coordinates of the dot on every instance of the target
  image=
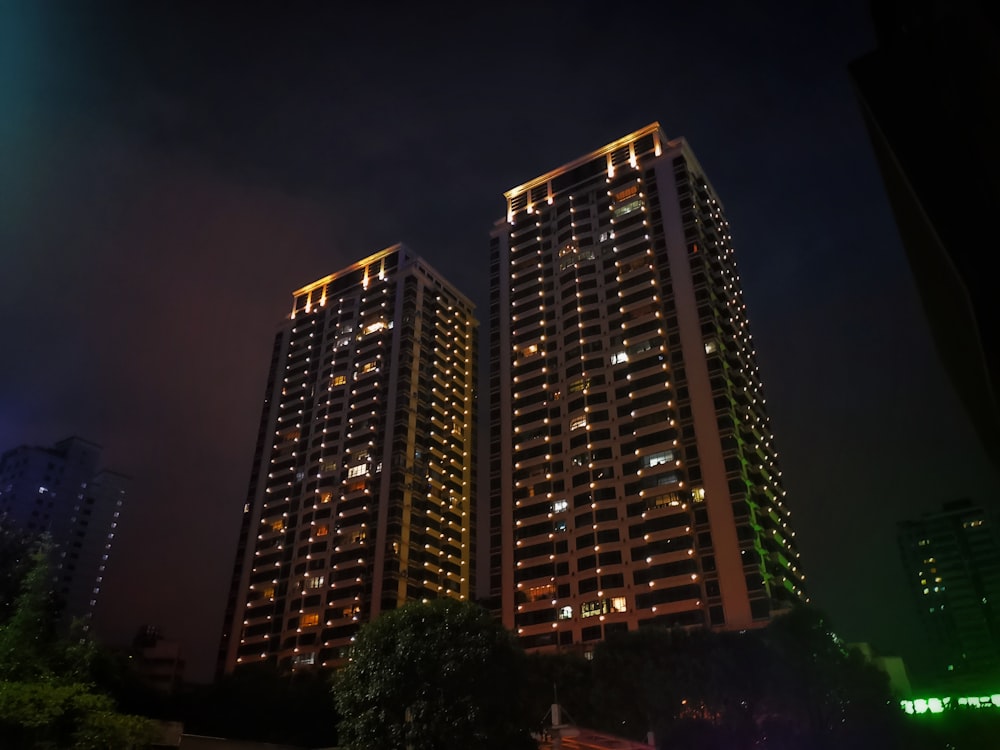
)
(360, 495)
(62, 491)
(952, 562)
(633, 475)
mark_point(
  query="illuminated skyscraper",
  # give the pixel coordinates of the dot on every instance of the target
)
(361, 490)
(633, 475)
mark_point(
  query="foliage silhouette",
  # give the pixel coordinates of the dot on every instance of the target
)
(433, 676)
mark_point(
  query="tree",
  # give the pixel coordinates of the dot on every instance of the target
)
(15, 562)
(819, 692)
(789, 685)
(27, 634)
(46, 698)
(433, 676)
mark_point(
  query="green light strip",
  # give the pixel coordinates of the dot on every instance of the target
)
(938, 705)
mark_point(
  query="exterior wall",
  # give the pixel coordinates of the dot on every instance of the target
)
(60, 491)
(361, 494)
(634, 479)
(952, 560)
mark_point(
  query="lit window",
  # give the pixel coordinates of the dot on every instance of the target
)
(711, 346)
(314, 583)
(603, 606)
(535, 593)
(567, 257)
(378, 325)
(560, 506)
(323, 530)
(356, 471)
(577, 423)
(368, 366)
(309, 620)
(326, 497)
(305, 659)
(579, 385)
(627, 208)
(565, 613)
(672, 499)
(278, 525)
(339, 379)
(358, 536)
(623, 195)
(658, 459)
(618, 357)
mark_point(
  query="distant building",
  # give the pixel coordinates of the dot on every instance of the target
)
(952, 562)
(362, 485)
(156, 660)
(62, 491)
(634, 479)
(930, 95)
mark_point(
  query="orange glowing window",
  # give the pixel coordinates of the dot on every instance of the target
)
(309, 620)
(627, 193)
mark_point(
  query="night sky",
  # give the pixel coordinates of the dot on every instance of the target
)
(171, 171)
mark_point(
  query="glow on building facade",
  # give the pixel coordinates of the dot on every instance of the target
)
(361, 490)
(633, 475)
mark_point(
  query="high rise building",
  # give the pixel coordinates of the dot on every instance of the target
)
(633, 476)
(63, 492)
(360, 496)
(952, 562)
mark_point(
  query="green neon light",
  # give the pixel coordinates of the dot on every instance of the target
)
(938, 705)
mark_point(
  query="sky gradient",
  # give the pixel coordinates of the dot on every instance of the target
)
(171, 172)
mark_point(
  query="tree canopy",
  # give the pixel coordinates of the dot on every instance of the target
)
(433, 676)
(46, 696)
(791, 684)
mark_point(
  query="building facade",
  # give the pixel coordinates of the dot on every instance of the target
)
(63, 492)
(633, 476)
(952, 562)
(361, 490)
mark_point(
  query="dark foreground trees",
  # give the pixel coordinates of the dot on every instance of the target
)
(433, 676)
(790, 685)
(257, 702)
(46, 696)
